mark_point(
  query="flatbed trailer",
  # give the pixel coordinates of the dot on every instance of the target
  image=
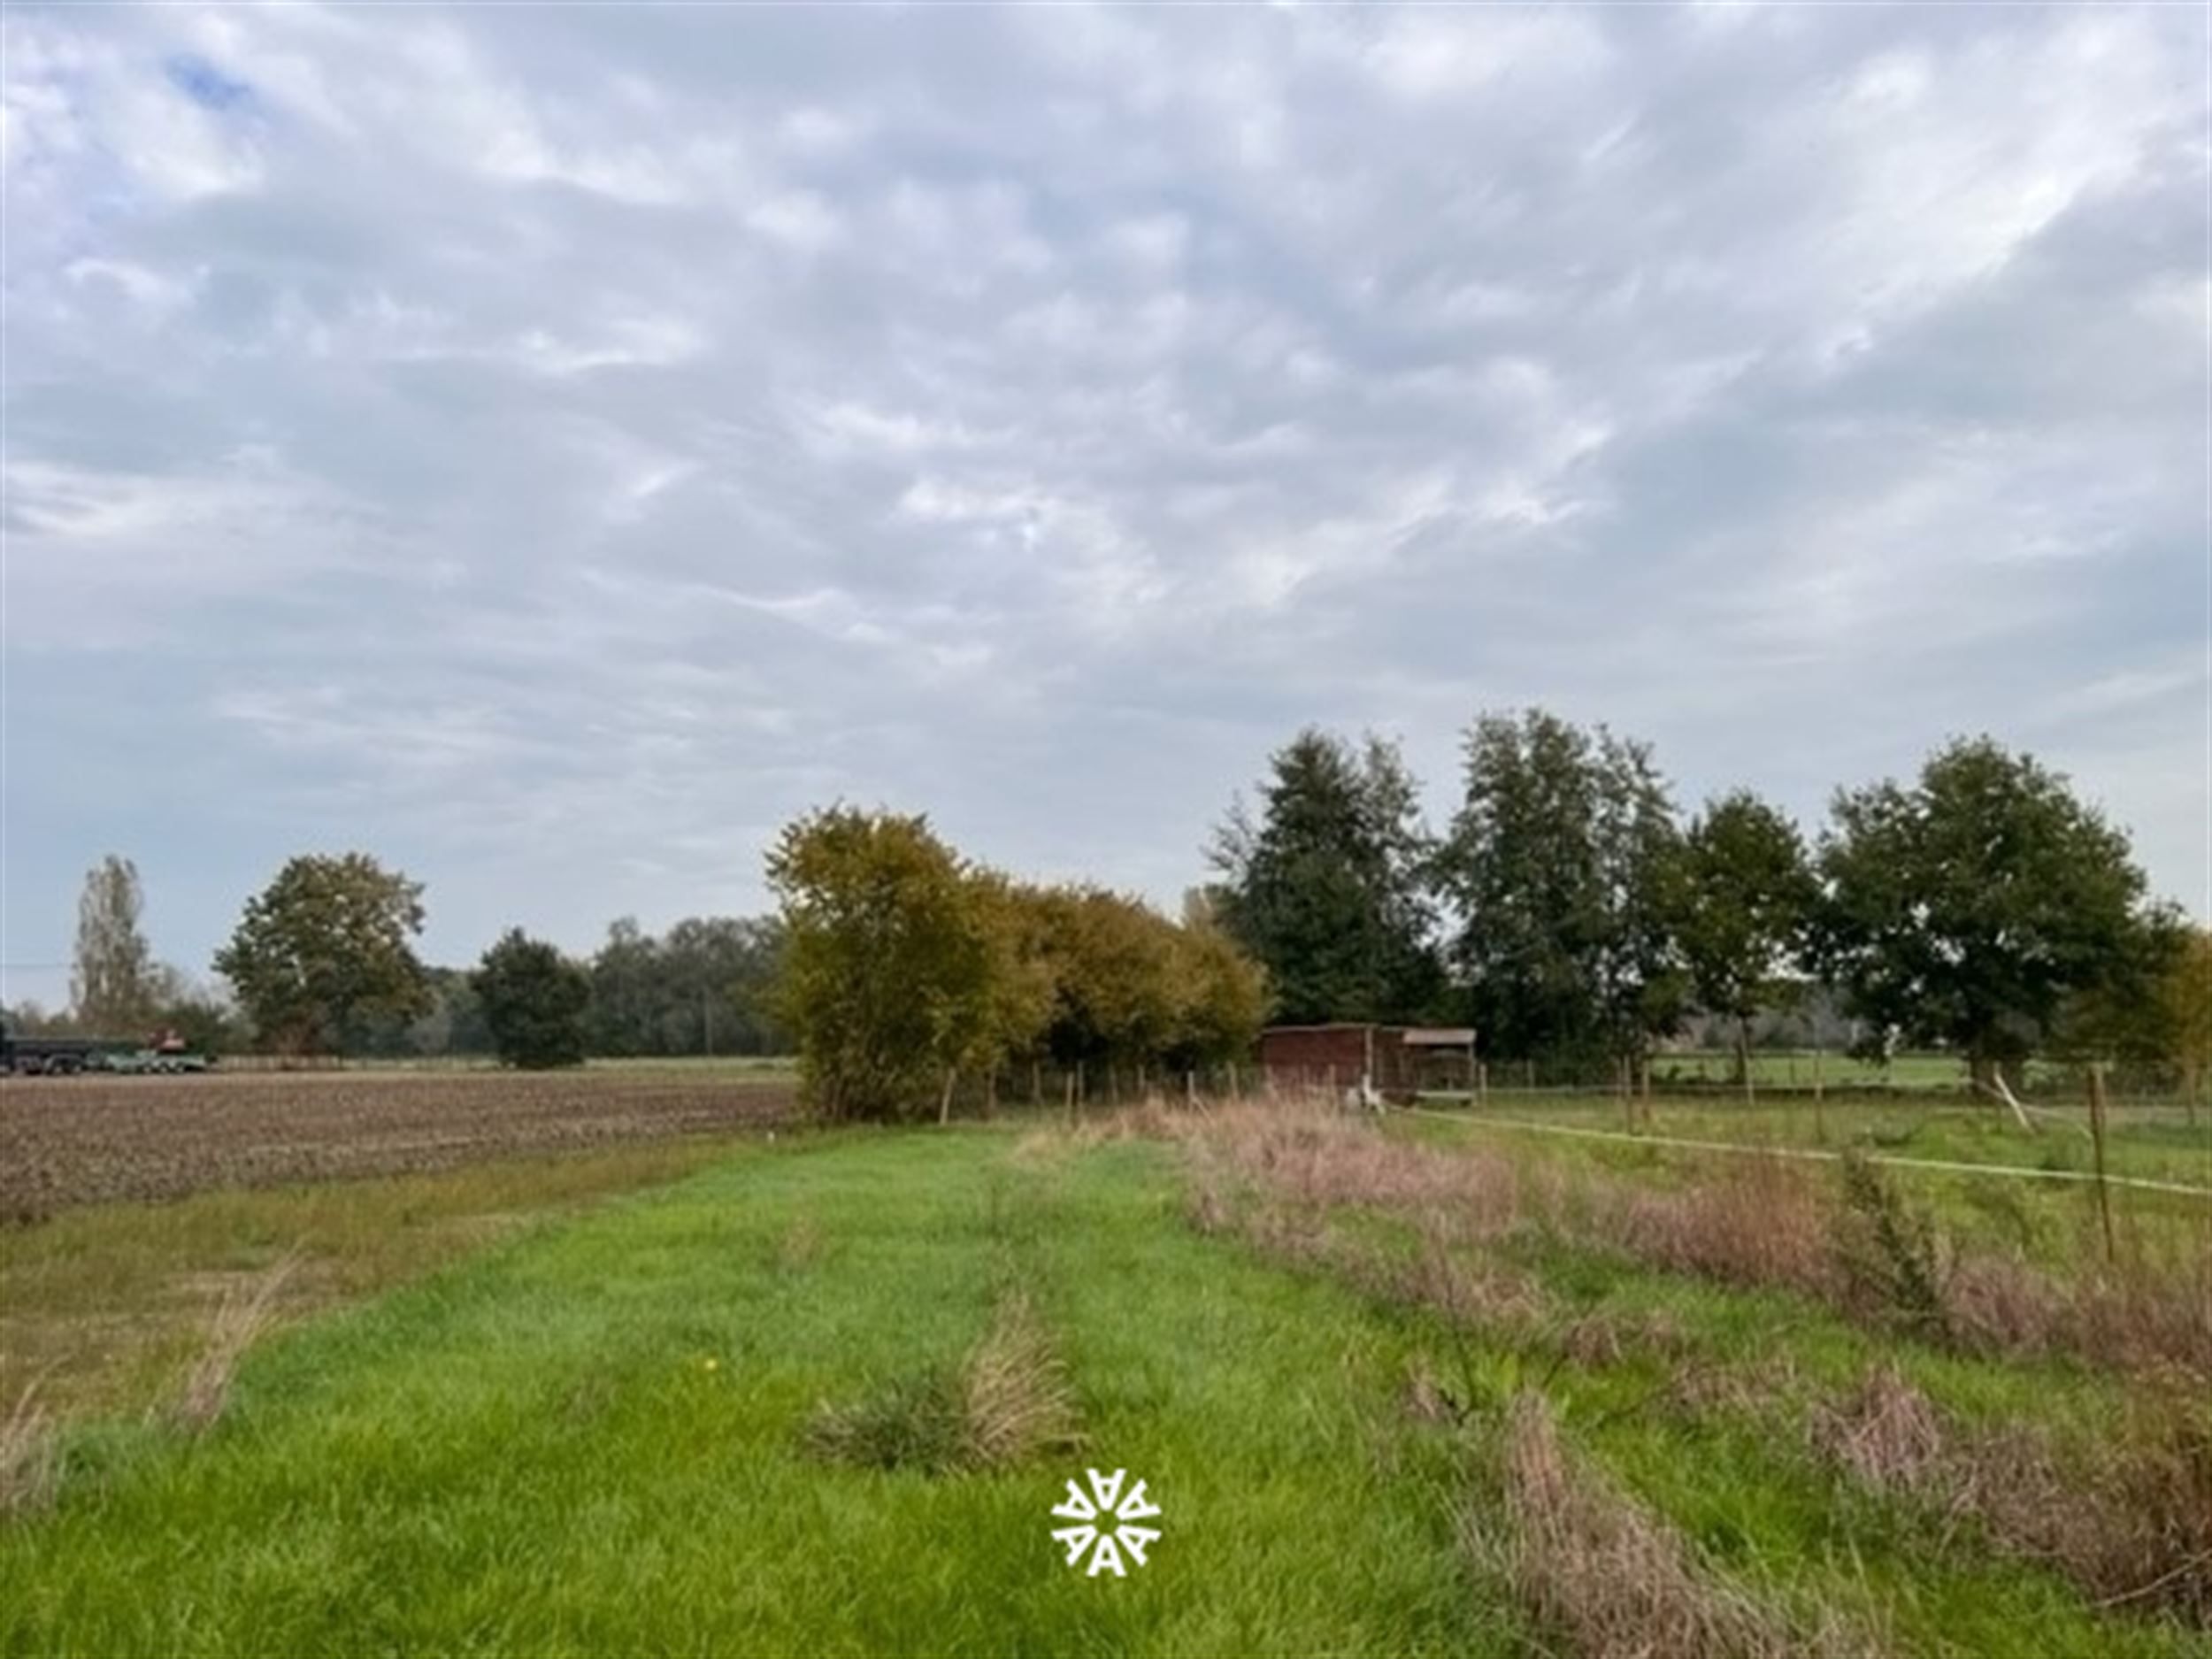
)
(164, 1054)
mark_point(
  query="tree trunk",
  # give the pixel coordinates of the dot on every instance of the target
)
(990, 1092)
(1036, 1083)
(944, 1100)
(1743, 1059)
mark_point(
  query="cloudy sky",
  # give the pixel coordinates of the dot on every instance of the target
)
(548, 447)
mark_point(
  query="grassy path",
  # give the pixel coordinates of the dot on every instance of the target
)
(588, 1442)
(590, 1438)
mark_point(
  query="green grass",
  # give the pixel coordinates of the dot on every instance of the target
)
(2156, 1143)
(530, 1453)
(1776, 1068)
(105, 1307)
(590, 1437)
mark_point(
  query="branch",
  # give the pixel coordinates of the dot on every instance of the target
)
(2003, 1092)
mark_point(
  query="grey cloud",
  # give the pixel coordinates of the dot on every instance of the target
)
(554, 447)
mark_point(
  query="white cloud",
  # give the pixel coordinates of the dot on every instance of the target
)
(561, 446)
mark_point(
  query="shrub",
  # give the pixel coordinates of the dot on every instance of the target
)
(1008, 1400)
(1888, 1251)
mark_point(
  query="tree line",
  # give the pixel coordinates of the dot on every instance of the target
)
(1567, 909)
(906, 966)
(1572, 915)
(323, 962)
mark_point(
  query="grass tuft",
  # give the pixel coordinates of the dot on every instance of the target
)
(245, 1311)
(1009, 1401)
(30, 1463)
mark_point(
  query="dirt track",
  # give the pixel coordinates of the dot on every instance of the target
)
(79, 1140)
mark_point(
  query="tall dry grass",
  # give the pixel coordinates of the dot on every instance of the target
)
(246, 1311)
(30, 1459)
(1612, 1579)
(1854, 1243)
(2130, 1524)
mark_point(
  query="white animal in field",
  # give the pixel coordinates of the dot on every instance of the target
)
(1364, 1097)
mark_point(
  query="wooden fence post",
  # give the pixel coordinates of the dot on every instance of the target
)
(2096, 1136)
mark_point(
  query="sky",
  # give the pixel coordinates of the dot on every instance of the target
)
(550, 446)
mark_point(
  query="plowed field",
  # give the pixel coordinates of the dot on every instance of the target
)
(80, 1140)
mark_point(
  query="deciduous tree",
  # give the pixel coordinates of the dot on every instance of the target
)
(1557, 865)
(535, 999)
(111, 983)
(887, 959)
(2186, 994)
(329, 940)
(1742, 904)
(1968, 908)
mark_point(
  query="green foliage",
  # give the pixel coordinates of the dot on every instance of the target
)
(1559, 862)
(112, 977)
(1741, 903)
(325, 941)
(207, 1021)
(1328, 889)
(1967, 908)
(2186, 994)
(1888, 1250)
(534, 1000)
(905, 964)
(888, 962)
(1111, 960)
(1127, 986)
(704, 987)
(2131, 1017)
(1221, 998)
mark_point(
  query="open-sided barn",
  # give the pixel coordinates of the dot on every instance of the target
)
(1394, 1059)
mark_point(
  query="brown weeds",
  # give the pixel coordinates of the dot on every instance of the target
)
(2131, 1524)
(30, 1461)
(1613, 1578)
(1856, 1245)
(244, 1312)
(1017, 1400)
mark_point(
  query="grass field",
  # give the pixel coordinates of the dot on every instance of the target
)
(2150, 1142)
(1397, 1391)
